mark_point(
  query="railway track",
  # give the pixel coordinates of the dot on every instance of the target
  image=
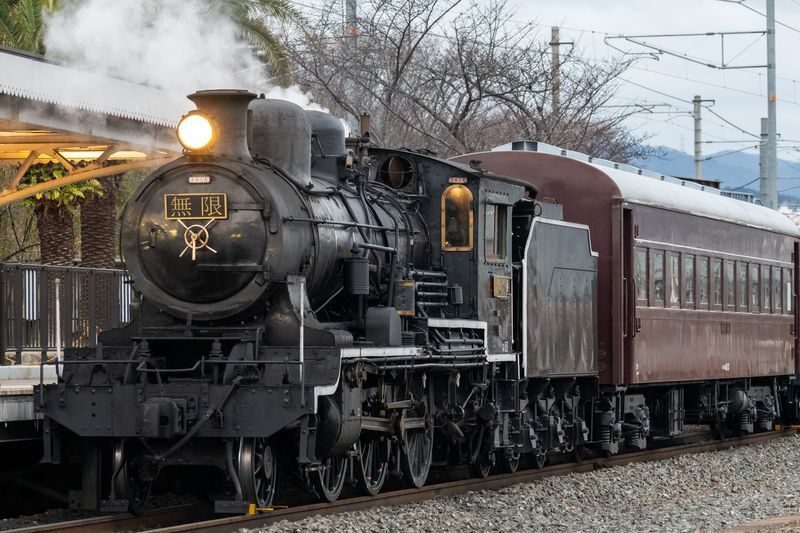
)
(201, 519)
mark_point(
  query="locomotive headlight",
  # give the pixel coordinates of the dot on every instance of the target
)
(196, 131)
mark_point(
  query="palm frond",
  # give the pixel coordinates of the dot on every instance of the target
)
(26, 25)
(282, 10)
(7, 23)
(259, 36)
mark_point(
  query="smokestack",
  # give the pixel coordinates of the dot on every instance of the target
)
(228, 110)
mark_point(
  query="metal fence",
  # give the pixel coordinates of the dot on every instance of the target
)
(39, 304)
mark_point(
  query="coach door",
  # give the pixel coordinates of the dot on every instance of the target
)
(628, 284)
(795, 311)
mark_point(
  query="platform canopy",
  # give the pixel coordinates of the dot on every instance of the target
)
(83, 120)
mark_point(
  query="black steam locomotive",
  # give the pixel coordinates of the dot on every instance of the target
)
(312, 305)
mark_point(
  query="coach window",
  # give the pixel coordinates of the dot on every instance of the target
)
(641, 275)
(658, 277)
(741, 286)
(457, 219)
(766, 289)
(716, 283)
(674, 280)
(702, 281)
(754, 290)
(788, 293)
(777, 304)
(729, 286)
(688, 280)
(496, 231)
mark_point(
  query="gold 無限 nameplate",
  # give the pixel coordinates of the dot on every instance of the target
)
(196, 206)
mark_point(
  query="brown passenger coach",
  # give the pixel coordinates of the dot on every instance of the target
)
(692, 286)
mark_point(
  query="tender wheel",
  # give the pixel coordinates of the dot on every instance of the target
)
(329, 479)
(539, 460)
(258, 470)
(372, 465)
(417, 447)
(128, 483)
(480, 470)
(509, 461)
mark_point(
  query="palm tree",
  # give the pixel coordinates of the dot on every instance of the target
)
(21, 23)
(54, 211)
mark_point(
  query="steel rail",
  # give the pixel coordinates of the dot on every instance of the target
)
(185, 518)
(150, 519)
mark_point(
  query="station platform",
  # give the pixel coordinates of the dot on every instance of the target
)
(16, 390)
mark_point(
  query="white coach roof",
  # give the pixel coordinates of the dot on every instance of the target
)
(646, 190)
(649, 188)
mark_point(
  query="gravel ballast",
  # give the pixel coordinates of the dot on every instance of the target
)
(687, 493)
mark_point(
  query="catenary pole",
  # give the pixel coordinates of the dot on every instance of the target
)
(769, 195)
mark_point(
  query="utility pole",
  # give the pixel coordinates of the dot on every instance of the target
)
(555, 69)
(763, 165)
(351, 48)
(698, 135)
(698, 147)
(769, 195)
(351, 21)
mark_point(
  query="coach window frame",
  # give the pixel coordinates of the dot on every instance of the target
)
(673, 298)
(716, 294)
(688, 279)
(788, 291)
(742, 292)
(655, 301)
(754, 288)
(470, 223)
(729, 284)
(645, 272)
(777, 294)
(702, 271)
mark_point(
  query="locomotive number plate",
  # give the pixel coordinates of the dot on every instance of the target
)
(196, 206)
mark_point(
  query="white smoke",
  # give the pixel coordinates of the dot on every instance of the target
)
(180, 46)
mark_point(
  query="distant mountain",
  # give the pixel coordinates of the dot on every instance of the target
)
(734, 169)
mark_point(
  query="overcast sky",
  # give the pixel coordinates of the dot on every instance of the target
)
(740, 95)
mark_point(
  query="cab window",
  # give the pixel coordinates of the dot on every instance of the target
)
(496, 232)
(457, 219)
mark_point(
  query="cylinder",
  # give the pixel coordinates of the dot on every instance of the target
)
(455, 295)
(356, 276)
